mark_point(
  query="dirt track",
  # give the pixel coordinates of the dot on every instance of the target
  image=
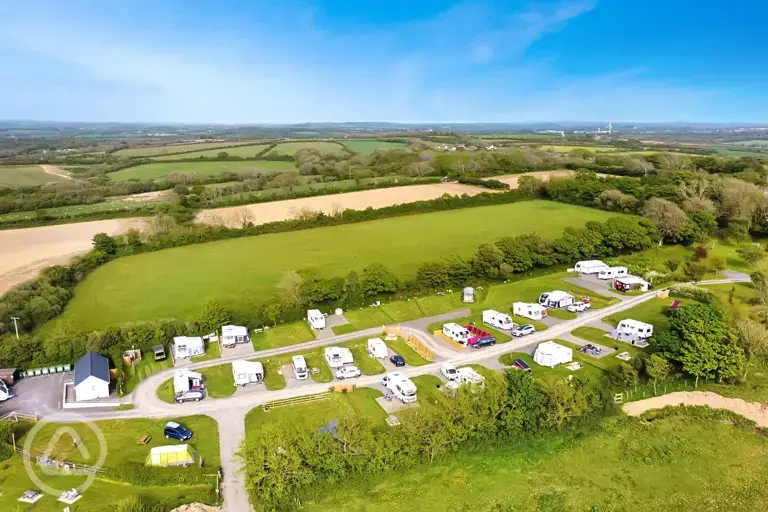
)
(754, 411)
(56, 171)
(281, 210)
(24, 252)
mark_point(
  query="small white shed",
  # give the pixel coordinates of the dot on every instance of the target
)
(91, 377)
(631, 331)
(377, 348)
(336, 357)
(185, 379)
(551, 354)
(556, 299)
(316, 319)
(187, 346)
(589, 266)
(468, 295)
(231, 335)
(247, 372)
(532, 311)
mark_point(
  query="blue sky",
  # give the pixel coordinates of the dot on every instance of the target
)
(246, 61)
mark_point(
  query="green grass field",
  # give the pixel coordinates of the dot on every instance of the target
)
(219, 381)
(652, 312)
(568, 149)
(675, 463)
(161, 170)
(247, 151)
(244, 272)
(290, 148)
(178, 148)
(369, 146)
(18, 176)
(144, 369)
(62, 212)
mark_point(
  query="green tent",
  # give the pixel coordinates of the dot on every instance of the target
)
(172, 455)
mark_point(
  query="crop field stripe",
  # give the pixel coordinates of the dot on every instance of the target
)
(160, 170)
(244, 273)
(18, 176)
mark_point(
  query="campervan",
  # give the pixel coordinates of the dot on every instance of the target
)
(589, 266)
(612, 272)
(316, 319)
(338, 356)
(377, 348)
(498, 320)
(300, 367)
(400, 386)
(532, 311)
(456, 332)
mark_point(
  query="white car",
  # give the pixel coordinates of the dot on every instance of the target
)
(449, 371)
(578, 307)
(348, 372)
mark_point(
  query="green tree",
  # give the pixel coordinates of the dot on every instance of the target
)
(623, 376)
(695, 270)
(672, 265)
(658, 369)
(377, 279)
(731, 362)
(433, 276)
(752, 254)
(671, 222)
(699, 358)
(753, 338)
(291, 288)
(104, 243)
(214, 316)
(488, 260)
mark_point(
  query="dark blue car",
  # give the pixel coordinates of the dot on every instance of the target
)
(175, 431)
(397, 360)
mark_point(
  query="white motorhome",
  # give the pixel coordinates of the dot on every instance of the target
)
(300, 367)
(338, 356)
(551, 354)
(532, 311)
(377, 348)
(316, 319)
(247, 372)
(633, 331)
(400, 386)
(498, 320)
(232, 335)
(589, 266)
(469, 376)
(612, 272)
(556, 299)
(456, 332)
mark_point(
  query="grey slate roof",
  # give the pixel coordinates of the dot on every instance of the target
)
(91, 364)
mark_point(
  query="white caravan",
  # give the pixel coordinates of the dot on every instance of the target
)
(632, 331)
(231, 335)
(247, 372)
(377, 348)
(469, 376)
(338, 356)
(456, 332)
(612, 272)
(300, 367)
(400, 386)
(498, 320)
(316, 319)
(589, 266)
(556, 299)
(532, 311)
(551, 354)
(184, 380)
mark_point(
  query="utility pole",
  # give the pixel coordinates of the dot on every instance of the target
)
(16, 326)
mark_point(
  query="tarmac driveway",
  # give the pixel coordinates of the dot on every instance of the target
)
(36, 395)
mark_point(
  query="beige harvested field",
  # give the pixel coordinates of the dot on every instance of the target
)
(263, 213)
(512, 179)
(754, 411)
(24, 252)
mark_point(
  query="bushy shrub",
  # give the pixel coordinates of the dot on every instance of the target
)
(690, 291)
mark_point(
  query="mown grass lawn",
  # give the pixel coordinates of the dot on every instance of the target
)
(243, 273)
(429, 388)
(653, 312)
(365, 318)
(143, 369)
(179, 148)
(281, 335)
(219, 381)
(243, 151)
(159, 170)
(369, 146)
(412, 358)
(622, 464)
(18, 176)
(212, 351)
(290, 148)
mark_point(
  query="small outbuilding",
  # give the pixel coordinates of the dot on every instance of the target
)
(531, 311)
(172, 455)
(232, 335)
(468, 295)
(247, 372)
(186, 347)
(91, 377)
(632, 283)
(551, 354)
(556, 299)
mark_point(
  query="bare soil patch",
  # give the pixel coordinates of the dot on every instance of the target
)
(24, 252)
(56, 171)
(148, 197)
(513, 179)
(263, 213)
(754, 411)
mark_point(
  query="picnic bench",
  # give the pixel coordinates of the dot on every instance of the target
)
(144, 439)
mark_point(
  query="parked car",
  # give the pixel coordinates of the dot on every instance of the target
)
(523, 330)
(485, 342)
(578, 307)
(397, 360)
(521, 365)
(175, 431)
(193, 395)
(449, 371)
(348, 372)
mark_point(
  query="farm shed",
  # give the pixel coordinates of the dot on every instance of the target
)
(556, 299)
(631, 283)
(185, 379)
(187, 347)
(551, 354)
(468, 295)
(632, 331)
(338, 356)
(232, 335)
(589, 266)
(91, 377)
(247, 372)
(172, 455)
(532, 311)
(316, 319)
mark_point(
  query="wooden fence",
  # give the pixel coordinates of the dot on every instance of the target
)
(416, 344)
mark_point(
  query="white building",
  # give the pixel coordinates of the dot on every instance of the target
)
(185, 379)
(232, 335)
(612, 272)
(589, 266)
(456, 332)
(532, 311)
(91, 377)
(186, 346)
(247, 372)
(556, 299)
(316, 319)
(377, 348)
(468, 295)
(338, 356)
(631, 283)
(633, 331)
(551, 354)
(498, 320)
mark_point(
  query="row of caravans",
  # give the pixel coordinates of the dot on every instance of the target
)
(602, 270)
